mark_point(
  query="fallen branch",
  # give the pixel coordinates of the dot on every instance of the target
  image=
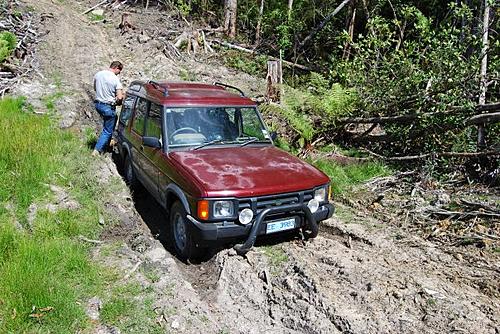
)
(484, 118)
(133, 270)
(237, 47)
(435, 155)
(94, 7)
(81, 237)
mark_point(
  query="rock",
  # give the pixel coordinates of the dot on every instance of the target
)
(98, 12)
(143, 38)
(175, 324)
(93, 308)
(156, 254)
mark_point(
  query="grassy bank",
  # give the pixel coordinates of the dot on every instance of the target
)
(45, 271)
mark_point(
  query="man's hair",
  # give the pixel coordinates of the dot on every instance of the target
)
(116, 64)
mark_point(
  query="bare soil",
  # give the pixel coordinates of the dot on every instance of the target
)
(364, 273)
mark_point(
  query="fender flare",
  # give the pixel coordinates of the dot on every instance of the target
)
(175, 189)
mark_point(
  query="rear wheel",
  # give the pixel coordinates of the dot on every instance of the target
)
(129, 174)
(180, 233)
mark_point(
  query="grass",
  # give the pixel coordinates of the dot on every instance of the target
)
(344, 178)
(46, 274)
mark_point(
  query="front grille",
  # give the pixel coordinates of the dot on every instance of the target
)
(257, 204)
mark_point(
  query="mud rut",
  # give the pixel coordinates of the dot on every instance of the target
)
(353, 278)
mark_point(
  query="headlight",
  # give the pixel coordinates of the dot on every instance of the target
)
(313, 205)
(320, 194)
(246, 216)
(223, 209)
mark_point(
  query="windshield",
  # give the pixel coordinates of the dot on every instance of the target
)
(202, 126)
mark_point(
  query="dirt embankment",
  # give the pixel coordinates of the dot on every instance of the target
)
(361, 275)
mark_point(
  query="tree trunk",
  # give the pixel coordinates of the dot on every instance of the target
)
(290, 7)
(481, 133)
(259, 23)
(273, 79)
(350, 29)
(230, 9)
(323, 23)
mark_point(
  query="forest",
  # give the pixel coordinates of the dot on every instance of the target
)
(405, 81)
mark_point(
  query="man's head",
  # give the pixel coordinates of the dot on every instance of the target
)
(116, 67)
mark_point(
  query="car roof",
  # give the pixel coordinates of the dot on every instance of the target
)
(174, 93)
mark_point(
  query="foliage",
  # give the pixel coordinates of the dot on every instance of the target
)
(8, 43)
(251, 64)
(428, 70)
(317, 100)
(345, 177)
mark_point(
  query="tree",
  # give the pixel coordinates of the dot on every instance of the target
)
(230, 10)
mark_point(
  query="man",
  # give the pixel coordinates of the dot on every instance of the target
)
(108, 93)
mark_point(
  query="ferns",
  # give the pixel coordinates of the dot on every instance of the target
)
(306, 112)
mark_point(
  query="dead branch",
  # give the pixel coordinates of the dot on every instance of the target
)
(94, 7)
(484, 118)
(239, 48)
(436, 154)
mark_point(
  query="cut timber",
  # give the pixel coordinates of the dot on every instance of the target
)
(240, 48)
(274, 80)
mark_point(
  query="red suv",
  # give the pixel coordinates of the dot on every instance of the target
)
(204, 153)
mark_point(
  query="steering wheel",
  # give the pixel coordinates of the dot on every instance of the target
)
(186, 129)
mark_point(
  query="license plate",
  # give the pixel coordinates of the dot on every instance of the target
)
(281, 225)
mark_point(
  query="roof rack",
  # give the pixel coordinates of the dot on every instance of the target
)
(157, 85)
(229, 86)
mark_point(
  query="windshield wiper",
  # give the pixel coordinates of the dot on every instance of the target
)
(212, 142)
(252, 140)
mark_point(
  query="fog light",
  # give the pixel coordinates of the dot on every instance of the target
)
(313, 205)
(246, 216)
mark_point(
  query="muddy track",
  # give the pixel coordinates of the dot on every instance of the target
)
(354, 277)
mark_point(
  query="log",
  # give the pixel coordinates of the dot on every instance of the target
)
(436, 154)
(239, 48)
(484, 118)
(489, 107)
(94, 7)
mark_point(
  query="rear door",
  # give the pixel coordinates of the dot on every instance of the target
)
(135, 138)
(152, 155)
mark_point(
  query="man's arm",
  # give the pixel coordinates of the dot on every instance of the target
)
(119, 96)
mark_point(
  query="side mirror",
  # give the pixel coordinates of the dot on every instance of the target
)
(273, 135)
(151, 142)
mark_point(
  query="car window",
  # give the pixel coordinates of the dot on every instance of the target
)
(153, 125)
(128, 106)
(251, 124)
(140, 115)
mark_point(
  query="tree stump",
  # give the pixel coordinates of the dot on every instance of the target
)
(125, 24)
(274, 80)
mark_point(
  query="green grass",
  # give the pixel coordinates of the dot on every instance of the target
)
(344, 178)
(28, 155)
(46, 274)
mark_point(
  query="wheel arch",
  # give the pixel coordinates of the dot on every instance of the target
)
(173, 193)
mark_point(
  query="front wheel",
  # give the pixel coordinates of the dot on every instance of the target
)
(180, 233)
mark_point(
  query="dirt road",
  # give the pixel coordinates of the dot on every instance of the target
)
(360, 275)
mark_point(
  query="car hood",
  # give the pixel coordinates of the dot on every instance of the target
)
(248, 171)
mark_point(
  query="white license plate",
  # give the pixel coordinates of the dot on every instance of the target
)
(281, 225)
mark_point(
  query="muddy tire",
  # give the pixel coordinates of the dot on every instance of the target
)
(180, 234)
(129, 174)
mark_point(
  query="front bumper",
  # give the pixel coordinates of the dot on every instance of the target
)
(211, 234)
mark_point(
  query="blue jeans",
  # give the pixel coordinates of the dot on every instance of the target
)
(108, 114)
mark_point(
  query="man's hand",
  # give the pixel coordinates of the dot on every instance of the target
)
(119, 97)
